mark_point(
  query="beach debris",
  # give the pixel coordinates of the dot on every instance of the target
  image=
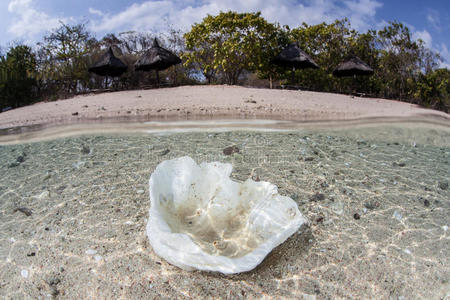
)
(164, 152)
(250, 101)
(98, 257)
(13, 164)
(309, 158)
(443, 185)
(255, 177)
(317, 197)
(308, 297)
(426, 202)
(24, 273)
(78, 164)
(140, 191)
(24, 210)
(230, 150)
(75, 113)
(42, 195)
(201, 219)
(85, 149)
(397, 215)
(338, 207)
(52, 283)
(47, 175)
(91, 252)
(20, 159)
(31, 254)
(60, 189)
(356, 216)
(398, 164)
(371, 204)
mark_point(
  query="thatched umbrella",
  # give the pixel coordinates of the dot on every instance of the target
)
(294, 57)
(156, 58)
(108, 65)
(352, 66)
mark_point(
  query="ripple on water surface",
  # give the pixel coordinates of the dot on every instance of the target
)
(73, 213)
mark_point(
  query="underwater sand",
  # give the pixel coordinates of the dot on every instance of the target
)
(377, 198)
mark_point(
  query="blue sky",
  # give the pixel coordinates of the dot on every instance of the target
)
(29, 20)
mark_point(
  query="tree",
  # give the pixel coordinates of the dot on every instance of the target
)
(17, 77)
(399, 61)
(228, 44)
(64, 57)
(328, 44)
(433, 89)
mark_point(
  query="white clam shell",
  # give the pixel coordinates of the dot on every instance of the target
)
(200, 219)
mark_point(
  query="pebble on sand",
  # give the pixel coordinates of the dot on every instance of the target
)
(24, 210)
(443, 185)
(85, 149)
(230, 150)
(164, 152)
(318, 197)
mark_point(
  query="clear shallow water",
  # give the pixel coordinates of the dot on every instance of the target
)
(377, 198)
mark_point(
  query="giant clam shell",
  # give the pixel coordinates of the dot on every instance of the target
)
(201, 219)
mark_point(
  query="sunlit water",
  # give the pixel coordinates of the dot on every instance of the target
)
(377, 198)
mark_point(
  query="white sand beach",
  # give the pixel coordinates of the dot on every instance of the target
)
(211, 102)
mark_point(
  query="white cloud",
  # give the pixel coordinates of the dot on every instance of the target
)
(445, 54)
(442, 49)
(30, 22)
(425, 36)
(95, 11)
(433, 18)
(156, 15)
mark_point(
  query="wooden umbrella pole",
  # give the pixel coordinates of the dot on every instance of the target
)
(293, 76)
(157, 77)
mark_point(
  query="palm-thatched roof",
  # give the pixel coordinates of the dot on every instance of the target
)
(156, 58)
(108, 65)
(294, 57)
(352, 65)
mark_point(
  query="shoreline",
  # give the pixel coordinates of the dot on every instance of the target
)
(211, 103)
(38, 133)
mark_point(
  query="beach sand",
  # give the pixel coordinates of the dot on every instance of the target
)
(211, 102)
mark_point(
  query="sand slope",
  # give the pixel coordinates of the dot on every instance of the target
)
(211, 102)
